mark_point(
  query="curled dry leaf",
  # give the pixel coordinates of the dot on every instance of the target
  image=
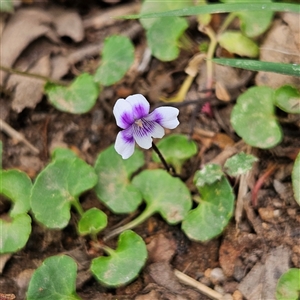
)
(67, 23)
(24, 26)
(279, 46)
(29, 91)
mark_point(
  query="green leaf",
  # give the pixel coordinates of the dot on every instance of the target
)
(78, 98)
(239, 164)
(253, 23)
(113, 187)
(296, 179)
(6, 6)
(287, 98)
(176, 149)
(117, 57)
(257, 65)
(208, 175)
(163, 37)
(149, 6)
(55, 279)
(61, 153)
(16, 227)
(212, 214)
(1, 154)
(14, 233)
(288, 286)
(92, 221)
(236, 42)
(253, 118)
(220, 8)
(123, 264)
(58, 187)
(164, 194)
(16, 186)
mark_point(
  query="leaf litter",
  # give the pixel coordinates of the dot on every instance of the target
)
(247, 250)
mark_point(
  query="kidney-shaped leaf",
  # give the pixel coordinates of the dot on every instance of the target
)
(236, 42)
(123, 264)
(253, 23)
(288, 285)
(287, 98)
(92, 221)
(164, 194)
(113, 187)
(57, 187)
(16, 186)
(253, 118)
(55, 279)
(117, 57)
(212, 214)
(14, 233)
(176, 149)
(163, 37)
(208, 175)
(296, 178)
(239, 164)
(78, 98)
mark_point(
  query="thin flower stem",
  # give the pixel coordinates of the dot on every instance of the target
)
(167, 167)
(33, 75)
(137, 221)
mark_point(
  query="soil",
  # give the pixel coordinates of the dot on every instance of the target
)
(259, 244)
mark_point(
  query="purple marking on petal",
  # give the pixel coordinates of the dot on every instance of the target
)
(127, 119)
(139, 111)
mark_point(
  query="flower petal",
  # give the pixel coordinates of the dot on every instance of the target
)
(140, 106)
(143, 134)
(165, 116)
(123, 113)
(124, 144)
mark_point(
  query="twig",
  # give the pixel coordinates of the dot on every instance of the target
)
(212, 294)
(32, 75)
(16, 135)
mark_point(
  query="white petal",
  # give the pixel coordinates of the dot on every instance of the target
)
(124, 145)
(140, 106)
(143, 135)
(165, 116)
(123, 113)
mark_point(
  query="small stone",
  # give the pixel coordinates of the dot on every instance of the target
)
(219, 289)
(227, 297)
(217, 275)
(237, 295)
(230, 286)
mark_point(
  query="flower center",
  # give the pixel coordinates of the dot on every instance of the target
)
(139, 123)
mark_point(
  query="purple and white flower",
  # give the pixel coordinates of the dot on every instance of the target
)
(132, 115)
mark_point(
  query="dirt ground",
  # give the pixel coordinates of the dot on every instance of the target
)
(246, 261)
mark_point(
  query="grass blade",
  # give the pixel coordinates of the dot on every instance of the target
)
(221, 8)
(257, 65)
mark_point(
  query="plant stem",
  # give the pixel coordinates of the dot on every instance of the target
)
(226, 23)
(167, 167)
(135, 222)
(77, 206)
(33, 75)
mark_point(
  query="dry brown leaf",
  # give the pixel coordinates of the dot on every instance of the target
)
(67, 23)
(260, 282)
(29, 91)
(22, 28)
(279, 46)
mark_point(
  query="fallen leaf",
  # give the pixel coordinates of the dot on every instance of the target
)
(29, 91)
(67, 23)
(24, 26)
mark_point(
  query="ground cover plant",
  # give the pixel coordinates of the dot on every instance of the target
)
(154, 163)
